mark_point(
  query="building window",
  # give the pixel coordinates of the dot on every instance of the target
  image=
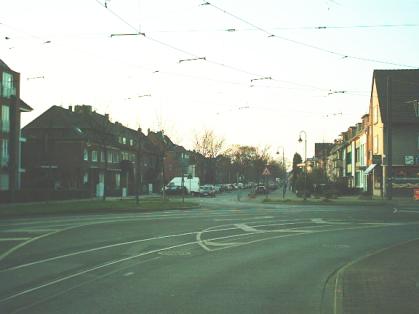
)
(115, 157)
(109, 157)
(362, 155)
(131, 142)
(117, 180)
(4, 182)
(5, 118)
(102, 156)
(358, 179)
(85, 178)
(4, 158)
(375, 144)
(85, 155)
(94, 155)
(375, 114)
(120, 139)
(8, 89)
(124, 140)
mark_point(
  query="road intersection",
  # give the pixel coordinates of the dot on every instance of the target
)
(224, 257)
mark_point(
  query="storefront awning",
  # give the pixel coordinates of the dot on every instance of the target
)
(370, 168)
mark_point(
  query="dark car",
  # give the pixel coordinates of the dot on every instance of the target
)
(175, 190)
(260, 189)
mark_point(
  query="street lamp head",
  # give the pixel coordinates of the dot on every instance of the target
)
(300, 139)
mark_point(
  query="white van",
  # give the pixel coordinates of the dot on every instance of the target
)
(191, 185)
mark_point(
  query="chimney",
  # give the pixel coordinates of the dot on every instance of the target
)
(70, 108)
(107, 116)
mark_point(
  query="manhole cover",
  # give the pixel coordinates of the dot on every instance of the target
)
(175, 253)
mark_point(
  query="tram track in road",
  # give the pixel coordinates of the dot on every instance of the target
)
(228, 231)
(283, 233)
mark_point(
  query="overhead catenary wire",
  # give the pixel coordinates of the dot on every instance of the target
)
(224, 65)
(304, 44)
(285, 28)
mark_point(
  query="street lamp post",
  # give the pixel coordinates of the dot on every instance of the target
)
(305, 160)
(284, 179)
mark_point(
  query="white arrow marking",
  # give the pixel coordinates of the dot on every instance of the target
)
(246, 228)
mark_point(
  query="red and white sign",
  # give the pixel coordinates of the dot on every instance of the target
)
(416, 194)
(266, 172)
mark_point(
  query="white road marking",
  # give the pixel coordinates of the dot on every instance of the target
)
(408, 211)
(4, 255)
(318, 221)
(24, 230)
(130, 273)
(14, 239)
(246, 228)
(235, 219)
(113, 262)
(96, 278)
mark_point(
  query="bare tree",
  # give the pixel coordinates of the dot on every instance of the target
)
(208, 144)
(169, 128)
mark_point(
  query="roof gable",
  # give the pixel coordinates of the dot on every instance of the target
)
(404, 93)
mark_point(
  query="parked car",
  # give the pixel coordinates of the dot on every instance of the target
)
(207, 190)
(218, 188)
(261, 189)
(175, 190)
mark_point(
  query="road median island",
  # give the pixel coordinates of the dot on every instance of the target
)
(92, 206)
(386, 282)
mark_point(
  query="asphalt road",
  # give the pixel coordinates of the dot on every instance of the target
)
(226, 257)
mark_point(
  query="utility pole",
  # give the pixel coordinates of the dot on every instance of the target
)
(138, 172)
(305, 161)
(389, 142)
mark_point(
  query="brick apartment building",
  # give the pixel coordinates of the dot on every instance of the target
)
(11, 106)
(80, 149)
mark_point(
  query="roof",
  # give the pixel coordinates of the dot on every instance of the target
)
(4, 65)
(25, 107)
(404, 90)
(83, 125)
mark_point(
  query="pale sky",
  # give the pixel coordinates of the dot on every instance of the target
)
(83, 64)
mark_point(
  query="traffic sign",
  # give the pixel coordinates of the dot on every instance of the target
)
(266, 172)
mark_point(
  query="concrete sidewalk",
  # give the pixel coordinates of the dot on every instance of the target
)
(385, 282)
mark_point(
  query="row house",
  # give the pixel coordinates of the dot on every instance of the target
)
(361, 155)
(354, 155)
(394, 114)
(176, 159)
(11, 107)
(80, 149)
